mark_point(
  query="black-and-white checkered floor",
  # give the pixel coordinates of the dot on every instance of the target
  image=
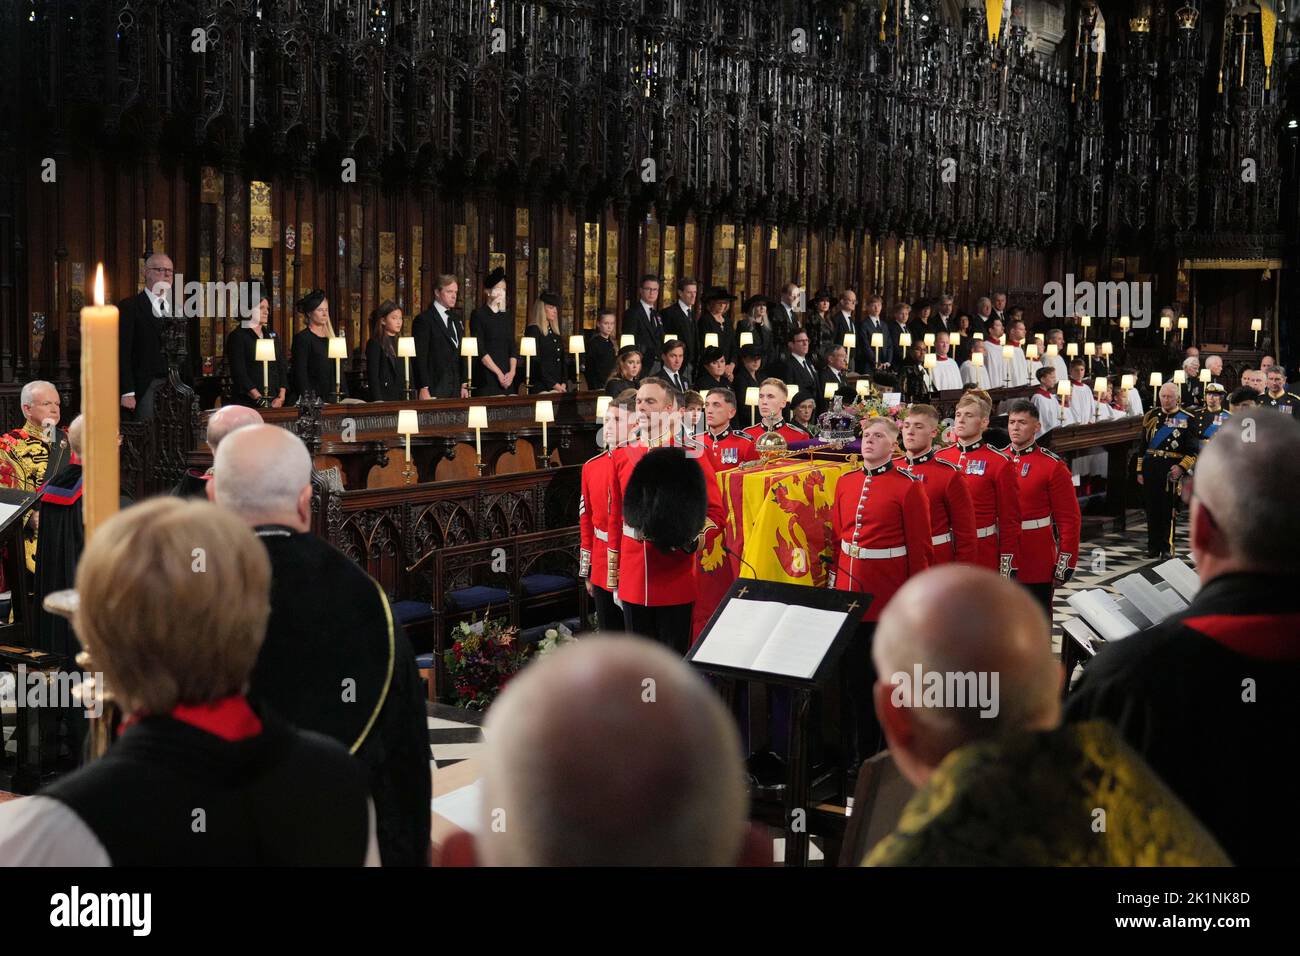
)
(452, 740)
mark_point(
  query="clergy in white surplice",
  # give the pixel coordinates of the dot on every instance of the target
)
(946, 373)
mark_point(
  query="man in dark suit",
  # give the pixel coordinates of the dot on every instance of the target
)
(679, 319)
(644, 321)
(943, 319)
(796, 369)
(865, 356)
(437, 332)
(979, 322)
(1000, 308)
(842, 321)
(142, 363)
(835, 373)
(897, 326)
(781, 316)
(671, 367)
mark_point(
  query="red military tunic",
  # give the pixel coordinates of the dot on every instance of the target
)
(1046, 498)
(787, 430)
(992, 487)
(593, 518)
(881, 524)
(646, 574)
(729, 449)
(952, 515)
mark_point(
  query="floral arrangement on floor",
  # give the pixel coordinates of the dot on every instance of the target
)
(554, 637)
(482, 659)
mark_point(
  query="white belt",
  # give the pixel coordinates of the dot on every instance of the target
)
(853, 551)
(987, 532)
(602, 535)
(1036, 523)
(633, 533)
(941, 538)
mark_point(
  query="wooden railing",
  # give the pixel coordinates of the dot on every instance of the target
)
(358, 437)
(390, 530)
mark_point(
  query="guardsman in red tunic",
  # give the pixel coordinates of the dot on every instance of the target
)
(1046, 556)
(952, 515)
(593, 519)
(726, 448)
(992, 487)
(772, 399)
(881, 525)
(657, 587)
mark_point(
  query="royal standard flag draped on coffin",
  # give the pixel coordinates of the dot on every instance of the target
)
(783, 524)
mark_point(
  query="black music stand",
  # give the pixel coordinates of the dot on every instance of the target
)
(852, 605)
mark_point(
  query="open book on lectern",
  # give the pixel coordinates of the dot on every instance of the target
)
(782, 633)
(14, 503)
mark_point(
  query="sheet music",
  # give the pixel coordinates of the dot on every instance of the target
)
(769, 636)
(1102, 613)
(799, 641)
(1183, 578)
(1144, 597)
(7, 511)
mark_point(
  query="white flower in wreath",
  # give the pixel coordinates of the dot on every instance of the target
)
(553, 638)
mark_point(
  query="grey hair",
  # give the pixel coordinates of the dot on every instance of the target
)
(1247, 478)
(28, 394)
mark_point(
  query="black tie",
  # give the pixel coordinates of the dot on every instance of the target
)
(677, 383)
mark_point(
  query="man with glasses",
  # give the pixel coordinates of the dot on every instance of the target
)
(142, 362)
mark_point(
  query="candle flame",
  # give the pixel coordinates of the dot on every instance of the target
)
(99, 284)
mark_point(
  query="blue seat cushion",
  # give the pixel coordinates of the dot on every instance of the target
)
(473, 598)
(533, 584)
(412, 612)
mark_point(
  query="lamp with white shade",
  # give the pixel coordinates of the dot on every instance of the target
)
(338, 351)
(545, 413)
(478, 421)
(408, 424)
(469, 351)
(528, 349)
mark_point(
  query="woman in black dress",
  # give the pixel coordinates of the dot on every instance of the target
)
(713, 370)
(384, 370)
(246, 379)
(311, 368)
(601, 353)
(548, 374)
(716, 320)
(627, 371)
(498, 349)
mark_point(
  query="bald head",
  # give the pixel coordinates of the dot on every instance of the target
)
(226, 419)
(263, 474)
(611, 751)
(1245, 513)
(980, 674)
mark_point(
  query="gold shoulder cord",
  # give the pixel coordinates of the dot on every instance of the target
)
(388, 678)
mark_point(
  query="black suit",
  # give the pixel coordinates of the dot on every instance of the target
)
(681, 326)
(685, 380)
(840, 380)
(938, 324)
(140, 355)
(649, 332)
(438, 365)
(864, 356)
(385, 372)
(805, 376)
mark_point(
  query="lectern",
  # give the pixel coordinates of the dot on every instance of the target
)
(783, 635)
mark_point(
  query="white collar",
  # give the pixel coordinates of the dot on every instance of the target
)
(684, 307)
